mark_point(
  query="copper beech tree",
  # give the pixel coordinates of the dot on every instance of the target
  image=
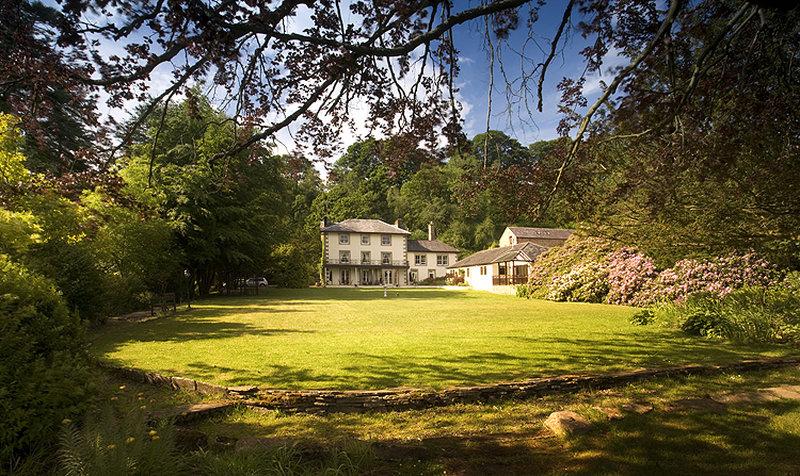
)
(306, 63)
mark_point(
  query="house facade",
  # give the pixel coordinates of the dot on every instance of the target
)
(503, 266)
(367, 252)
(547, 237)
(429, 259)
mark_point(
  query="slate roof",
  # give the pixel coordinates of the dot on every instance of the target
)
(434, 246)
(529, 252)
(361, 225)
(529, 232)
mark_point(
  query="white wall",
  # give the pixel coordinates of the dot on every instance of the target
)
(422, 270)
(375, 248)
(507, 238)
(397, 248)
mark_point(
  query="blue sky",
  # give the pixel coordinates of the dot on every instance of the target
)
(475, 63)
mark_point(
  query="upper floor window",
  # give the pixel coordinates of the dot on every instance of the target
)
(442, 260)
(420, 259)
(386, 240)
(364, 239)
(386, 258)
(344, 238)
(344, 256)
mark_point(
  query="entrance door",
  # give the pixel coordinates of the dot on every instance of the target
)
(344, 277)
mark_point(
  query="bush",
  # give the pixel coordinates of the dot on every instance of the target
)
(628, 274)
(706, 323)
(523, 291)
(43, 371)
(584, 283)
(560, 260)
(755, 314)
(454, 280)
(643, 317)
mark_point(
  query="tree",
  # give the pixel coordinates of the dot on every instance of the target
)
(227, 214)
(43, 86)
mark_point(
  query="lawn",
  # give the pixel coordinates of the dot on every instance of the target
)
(356, 338)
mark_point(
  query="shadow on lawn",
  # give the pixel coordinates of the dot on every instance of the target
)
(291, 296)
(362, 370)
(742, 440)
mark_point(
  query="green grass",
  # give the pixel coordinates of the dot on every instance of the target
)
(355, 338)
(509, 437)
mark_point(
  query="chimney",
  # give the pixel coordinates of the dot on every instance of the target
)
(431, 233)
(397, 223)
(324, 222)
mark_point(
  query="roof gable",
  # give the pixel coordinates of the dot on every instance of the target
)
(519, 252)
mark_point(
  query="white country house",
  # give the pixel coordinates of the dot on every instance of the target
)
(368, 252)
(509, 264)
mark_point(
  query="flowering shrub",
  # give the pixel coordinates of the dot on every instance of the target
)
(561, 260)
(718, 276)
(592, 270)
(628, 273)
(583, 283)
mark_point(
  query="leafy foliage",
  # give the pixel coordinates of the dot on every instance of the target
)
(43, 374)
(594, 270)
(755, 314)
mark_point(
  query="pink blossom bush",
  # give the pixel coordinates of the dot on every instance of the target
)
(586, 282)
(628, 273)
(591, 270)
(717, 276)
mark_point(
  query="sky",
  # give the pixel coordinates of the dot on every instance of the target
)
(473, 81)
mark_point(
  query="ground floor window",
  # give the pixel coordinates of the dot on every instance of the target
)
(388, 276)
(412, 276)
(431, 274)
(344, 277)
(328, 275)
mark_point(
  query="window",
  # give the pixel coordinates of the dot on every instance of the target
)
(442, 260)
(420, 259)
(483, 270)
(431, 274)
(467, 273)
(502, 269)
(328, 276)
(344, 238)
(364, 239)
(344, 277)
(386, 258)
(386, 240)
(365, 257)
(344, 256)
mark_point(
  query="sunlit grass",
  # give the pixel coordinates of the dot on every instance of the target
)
(356, 338)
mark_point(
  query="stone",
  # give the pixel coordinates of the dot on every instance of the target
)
(180, 383)
(704, 404)
(243, 390)
(788, 392)
(640, 408)
(746, 397)
(566, 423)
(190, 439)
